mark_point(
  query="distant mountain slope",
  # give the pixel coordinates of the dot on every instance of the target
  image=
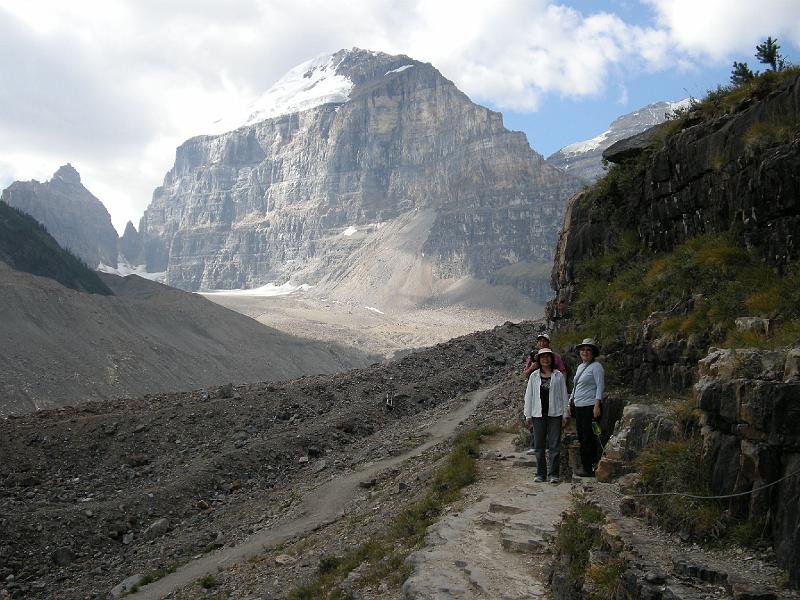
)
(584, 159)
(70, 212)
(61, 347)
(26, 245)
(345, 152)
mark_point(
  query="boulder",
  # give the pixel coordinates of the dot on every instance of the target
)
(156, 529)
(63, 556)
(757, 325)
(641, 426)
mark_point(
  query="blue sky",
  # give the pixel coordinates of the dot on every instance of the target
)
(562, 120)
(114, 86)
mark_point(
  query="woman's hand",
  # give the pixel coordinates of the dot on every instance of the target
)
(527, 422)
(596, 411)
(564, 420)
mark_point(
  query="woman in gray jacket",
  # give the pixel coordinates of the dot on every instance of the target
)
(546, 407)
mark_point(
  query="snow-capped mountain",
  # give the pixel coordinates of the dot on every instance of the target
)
(584, 159)
(363, 173)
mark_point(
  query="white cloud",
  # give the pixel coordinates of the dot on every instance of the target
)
(114, 86)
(719, 28)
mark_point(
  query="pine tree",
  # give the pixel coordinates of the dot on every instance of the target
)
(741, 73)
(767, 53)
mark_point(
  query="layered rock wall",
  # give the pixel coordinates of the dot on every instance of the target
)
(278, 199)
(751, 427)
(725, 174)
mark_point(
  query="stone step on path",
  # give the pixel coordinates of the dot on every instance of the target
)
(497, 543)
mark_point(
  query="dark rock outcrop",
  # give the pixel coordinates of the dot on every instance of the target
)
(710, 177)
(751, 403)
(130, 245)
(71, 214)
(406, 160)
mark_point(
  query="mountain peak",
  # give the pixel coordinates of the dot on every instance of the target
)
(68, 174)
(328, 78)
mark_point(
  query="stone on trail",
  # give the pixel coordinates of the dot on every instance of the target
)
(127, 585)
(495, 507)
(512, 542)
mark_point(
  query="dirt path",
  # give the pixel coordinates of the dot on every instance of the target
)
(321, 505)
(497, 545)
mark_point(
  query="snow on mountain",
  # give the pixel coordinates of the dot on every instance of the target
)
(309, 84)
(586, 145)
(398, 69)
(584, 159)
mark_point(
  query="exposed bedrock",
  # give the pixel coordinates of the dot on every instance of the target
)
(297, 196)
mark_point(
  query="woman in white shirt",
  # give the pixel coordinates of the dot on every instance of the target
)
(587, 396)
(546, 407)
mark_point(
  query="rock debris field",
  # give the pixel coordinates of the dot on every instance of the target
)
(95, 494)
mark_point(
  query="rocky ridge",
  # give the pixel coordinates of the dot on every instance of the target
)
(71, 214)
(407, 159)
(147, 338)
(707, 178)
(584, 160)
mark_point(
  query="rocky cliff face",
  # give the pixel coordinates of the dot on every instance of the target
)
(71, 213)
(732, 174)
(130, 245)
(395, 154)
(584, 160)
(751, 404)
(690, 201)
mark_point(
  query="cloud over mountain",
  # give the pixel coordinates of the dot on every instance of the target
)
(114, 87)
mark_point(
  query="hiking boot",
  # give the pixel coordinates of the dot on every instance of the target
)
(555, 480)
(538, 479)
(582, 473)
(530, 452)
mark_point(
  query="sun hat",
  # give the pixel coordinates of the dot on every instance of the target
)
(545, 351)
(591, 343)
(543, 335)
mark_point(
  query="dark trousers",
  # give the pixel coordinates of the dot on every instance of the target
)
(590, 448)
(547, 434)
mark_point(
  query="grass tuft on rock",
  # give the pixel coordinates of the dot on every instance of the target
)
(578, 534)
(698, 289)
(679, 467)
(605, 578)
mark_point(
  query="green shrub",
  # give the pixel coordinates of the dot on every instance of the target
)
(578, 533)
(749, 533)
(605, 578)
(679, 467)
(207, 582)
